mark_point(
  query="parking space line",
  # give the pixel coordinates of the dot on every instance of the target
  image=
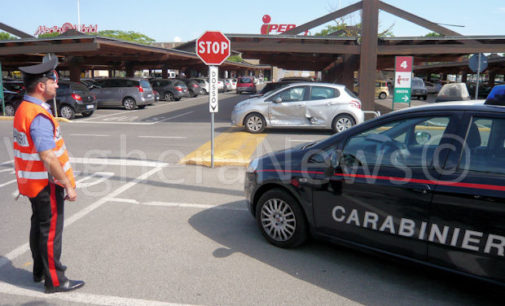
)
(173, 117)
(81, 298)
(117, 162)
(164, 137)
(82, 213)
(173, 204)
(7, 183)
(6, 170)
(90, 135)
(299, 140)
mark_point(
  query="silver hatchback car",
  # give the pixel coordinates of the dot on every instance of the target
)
(300, 105)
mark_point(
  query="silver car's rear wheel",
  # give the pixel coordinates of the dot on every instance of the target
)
(342, 123)
(254, 123)
(129, 103)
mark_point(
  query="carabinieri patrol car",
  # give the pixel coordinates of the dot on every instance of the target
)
(425, 184)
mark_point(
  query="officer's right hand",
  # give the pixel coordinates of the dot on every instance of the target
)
(71, 194)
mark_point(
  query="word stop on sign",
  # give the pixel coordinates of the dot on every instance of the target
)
(213, 47)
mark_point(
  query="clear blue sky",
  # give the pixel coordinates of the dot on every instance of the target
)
(169, 20)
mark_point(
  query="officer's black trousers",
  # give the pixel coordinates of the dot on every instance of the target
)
(46, 235)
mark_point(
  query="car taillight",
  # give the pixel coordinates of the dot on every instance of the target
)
(356, 103)
(178, 88)
(140, 88)
(76, 97)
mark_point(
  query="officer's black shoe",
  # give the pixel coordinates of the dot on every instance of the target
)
(68, 285)
(38, 278)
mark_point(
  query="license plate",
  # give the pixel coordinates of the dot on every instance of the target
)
(90, 106)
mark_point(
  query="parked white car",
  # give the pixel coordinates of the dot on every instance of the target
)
(204, 84)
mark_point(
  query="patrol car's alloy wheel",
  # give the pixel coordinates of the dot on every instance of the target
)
(280, 219)
(129, 103)
(254, 123)
(342, 123)
(67, 112)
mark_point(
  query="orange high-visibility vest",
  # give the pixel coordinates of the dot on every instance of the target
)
(31, 174)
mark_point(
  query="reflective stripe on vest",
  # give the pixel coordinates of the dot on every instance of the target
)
(31, 174)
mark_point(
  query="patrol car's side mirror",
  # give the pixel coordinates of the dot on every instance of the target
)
(334, 163)
(277, 100)
(422, 137)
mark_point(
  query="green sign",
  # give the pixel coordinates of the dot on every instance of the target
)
(401, 95)
(2, 89)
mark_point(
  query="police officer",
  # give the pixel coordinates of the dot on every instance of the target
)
(43, 174)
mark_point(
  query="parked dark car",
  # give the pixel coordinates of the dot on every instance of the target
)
(484, 90)
(14, 85)
(74, 98)
(129, 93)
(170, 89)
(193, 86)
(12, 101)
(246, 84)
(392, 186)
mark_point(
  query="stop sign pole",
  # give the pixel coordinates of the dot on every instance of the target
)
(213, 48)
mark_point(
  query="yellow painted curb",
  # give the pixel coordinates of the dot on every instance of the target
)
(230, 149)
(5, 118)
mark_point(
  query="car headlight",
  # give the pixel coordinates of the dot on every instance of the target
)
(253, 165)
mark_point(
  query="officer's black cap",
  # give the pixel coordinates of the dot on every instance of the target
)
(36, 72)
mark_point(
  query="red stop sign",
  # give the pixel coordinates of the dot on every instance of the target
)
(213, 48)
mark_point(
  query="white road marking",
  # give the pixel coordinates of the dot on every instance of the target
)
(76, 297)
(121, 113)
(117, 162)
(9, 257)
(172, 204)
(90, 135)
(299, 140)
(7, 183)
(164, 137)
(7, 170)
(7, 162)
(173, 117)
(119, 122)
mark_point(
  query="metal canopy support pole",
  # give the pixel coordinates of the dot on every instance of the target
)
(478, 78)
(368, 56)
(2, 90)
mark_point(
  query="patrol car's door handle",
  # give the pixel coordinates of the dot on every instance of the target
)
(424, 189)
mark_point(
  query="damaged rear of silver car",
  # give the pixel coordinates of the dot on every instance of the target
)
(300, 105)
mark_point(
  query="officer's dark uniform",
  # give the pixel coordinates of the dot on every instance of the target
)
(46, 196)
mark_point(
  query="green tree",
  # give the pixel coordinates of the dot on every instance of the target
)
(128, 36)
(235, 59)
(434, 34)
(342, 29)
(6, 36)
(49, 35)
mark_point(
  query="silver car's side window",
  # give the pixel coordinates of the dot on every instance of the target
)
(321, 93)
(293, 94)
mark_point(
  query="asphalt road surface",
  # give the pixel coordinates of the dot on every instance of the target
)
(146, 230)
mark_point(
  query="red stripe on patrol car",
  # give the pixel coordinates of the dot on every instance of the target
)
(399, 179)
(421, 181)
